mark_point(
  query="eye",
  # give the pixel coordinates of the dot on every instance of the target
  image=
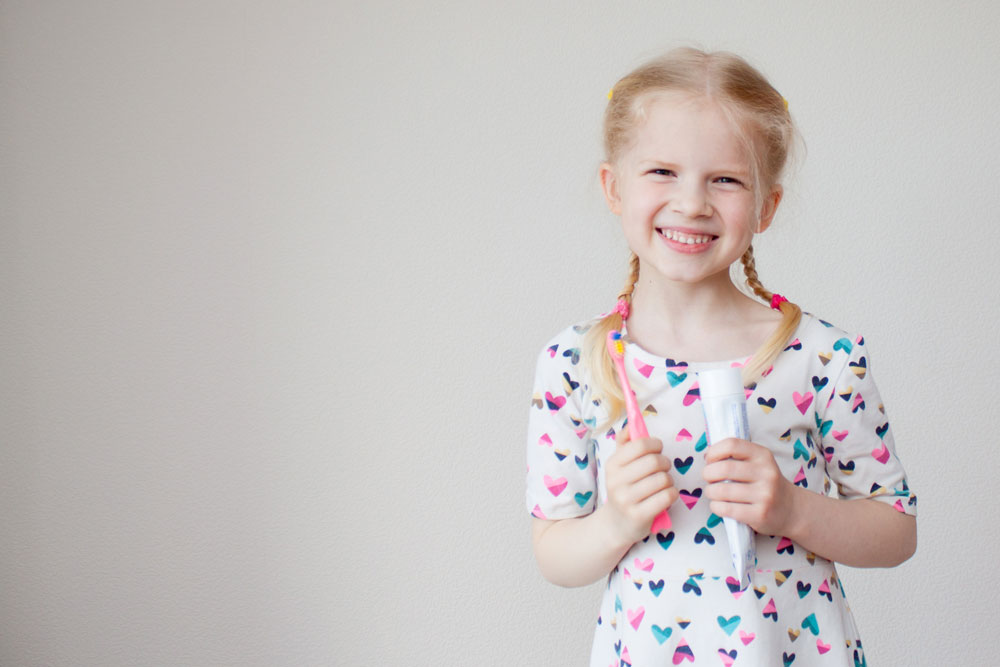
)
(729, 179)
(661, 172)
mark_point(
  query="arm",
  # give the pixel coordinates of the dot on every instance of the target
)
(579, 551)
(858, 533)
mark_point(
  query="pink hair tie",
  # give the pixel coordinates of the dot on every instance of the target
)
(777, 300)
(621, 308)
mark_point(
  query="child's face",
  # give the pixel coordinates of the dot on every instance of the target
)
(684, 191)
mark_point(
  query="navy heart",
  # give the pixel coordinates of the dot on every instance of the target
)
(665, 540)
(881, 430)
(819, 383)
(574, 355)
(767, 403)
(803, 589)
(683, 466)
(788, 659)
(656, 587)
(703, 535)
(691, 586)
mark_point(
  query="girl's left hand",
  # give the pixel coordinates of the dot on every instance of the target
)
(756, 494)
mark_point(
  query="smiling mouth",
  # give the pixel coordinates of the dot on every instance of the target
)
(681, 237)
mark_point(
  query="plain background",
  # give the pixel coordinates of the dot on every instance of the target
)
(273, 277)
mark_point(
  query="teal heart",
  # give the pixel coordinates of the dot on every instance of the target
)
(800, 451)
(662, 634)
(787, 659)
(714, 520)
(843, 344)
(618, 603)
(675, 379)
(811, 623)
(729, 625)
(701, 444)
(582, 463)
(824, 427)
(656, 587)
(582, 498)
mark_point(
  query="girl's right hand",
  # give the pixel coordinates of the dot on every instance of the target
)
(639, 485)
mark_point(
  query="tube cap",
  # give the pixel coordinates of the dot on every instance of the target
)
(718, 382)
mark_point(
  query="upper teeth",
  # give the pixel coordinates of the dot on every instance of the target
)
(685, 238)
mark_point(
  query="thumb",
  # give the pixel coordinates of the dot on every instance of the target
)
(622, 436)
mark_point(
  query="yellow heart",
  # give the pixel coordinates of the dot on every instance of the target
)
(825, 358)
(779, 577)
(760, 589)
(793, 634)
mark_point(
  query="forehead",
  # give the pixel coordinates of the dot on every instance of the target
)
(676, 126)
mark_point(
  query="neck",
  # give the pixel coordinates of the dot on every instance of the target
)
(707, 318)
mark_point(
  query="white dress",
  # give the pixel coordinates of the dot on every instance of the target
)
(673, 598)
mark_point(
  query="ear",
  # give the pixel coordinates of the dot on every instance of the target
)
(609, 184)
(770, 207)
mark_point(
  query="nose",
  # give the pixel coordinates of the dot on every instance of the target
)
(691, 200)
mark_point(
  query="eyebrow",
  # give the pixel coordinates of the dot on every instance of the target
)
(725, 169)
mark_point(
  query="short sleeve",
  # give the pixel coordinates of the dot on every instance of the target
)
(857, 439)
(562, 470)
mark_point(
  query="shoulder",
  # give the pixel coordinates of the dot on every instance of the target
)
(568, 342)
(819, 333)
(827, 349)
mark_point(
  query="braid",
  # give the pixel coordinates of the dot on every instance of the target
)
(750, 269)
(764, 357)
(602, 370)
(633, 278)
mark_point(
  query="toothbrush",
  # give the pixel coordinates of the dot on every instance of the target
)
(636, 424)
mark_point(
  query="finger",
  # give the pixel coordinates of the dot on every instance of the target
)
(729, 448)
(731, 492)
(637, 449)
(740, 511)
(650, 485)
(658, 502)
(729, 470)
(645, 465)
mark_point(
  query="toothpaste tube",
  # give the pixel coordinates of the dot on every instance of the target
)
(724, 401)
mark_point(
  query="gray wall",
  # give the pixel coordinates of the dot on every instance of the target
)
(273, 276)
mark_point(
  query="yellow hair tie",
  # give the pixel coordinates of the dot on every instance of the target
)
(610, 93)
(786, 103)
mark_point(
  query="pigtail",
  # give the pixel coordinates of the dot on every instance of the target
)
(603, 379)
(765, 356)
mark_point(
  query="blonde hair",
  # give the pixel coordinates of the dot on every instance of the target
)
(760, 117)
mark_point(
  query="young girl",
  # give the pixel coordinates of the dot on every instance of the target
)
(696, 144)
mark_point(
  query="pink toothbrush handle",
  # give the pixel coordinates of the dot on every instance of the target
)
(637, 429)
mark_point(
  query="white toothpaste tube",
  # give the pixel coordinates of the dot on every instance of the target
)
(724, 401)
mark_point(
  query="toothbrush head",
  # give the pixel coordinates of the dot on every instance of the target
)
(615, 346)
